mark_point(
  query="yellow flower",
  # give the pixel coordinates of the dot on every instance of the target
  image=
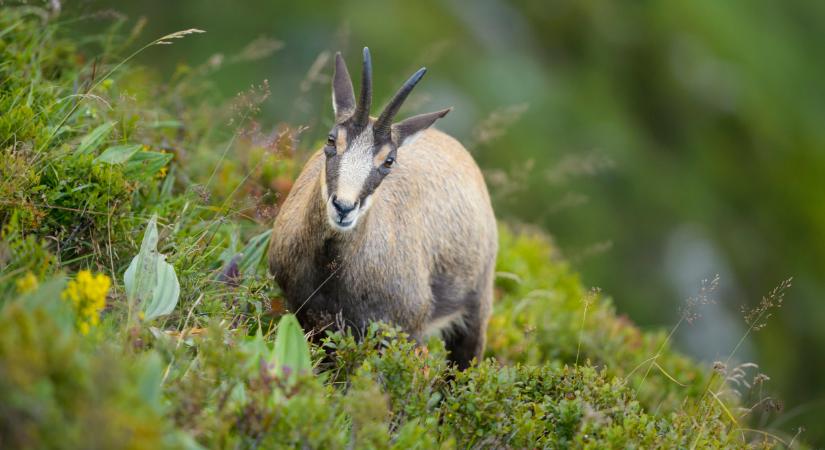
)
(87, 295)
(27, 283)
(163, 170)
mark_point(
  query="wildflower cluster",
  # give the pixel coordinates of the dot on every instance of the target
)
(27, 283)
(87, 294)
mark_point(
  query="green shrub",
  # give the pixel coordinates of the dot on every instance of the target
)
(62, 391)
(87, 201)
(545, 314)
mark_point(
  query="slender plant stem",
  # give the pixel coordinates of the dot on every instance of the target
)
(158, 41)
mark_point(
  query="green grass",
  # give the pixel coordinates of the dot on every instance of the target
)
(563, 369)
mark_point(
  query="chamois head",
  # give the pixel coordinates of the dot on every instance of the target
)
(360, 150)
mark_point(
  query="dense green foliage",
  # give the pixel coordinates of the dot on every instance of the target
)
(87, 160)
(659, 143)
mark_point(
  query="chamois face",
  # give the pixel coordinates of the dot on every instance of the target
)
(356, 163)
(361, 151)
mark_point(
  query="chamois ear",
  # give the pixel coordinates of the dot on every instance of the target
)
(343, 95)
(405, 131)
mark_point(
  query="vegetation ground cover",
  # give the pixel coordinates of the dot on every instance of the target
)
(95, 149)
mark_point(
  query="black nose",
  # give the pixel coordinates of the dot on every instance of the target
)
(342, 207)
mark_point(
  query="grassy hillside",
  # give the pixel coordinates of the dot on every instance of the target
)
(93, 147)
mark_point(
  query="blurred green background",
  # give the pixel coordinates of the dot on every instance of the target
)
(660, 143)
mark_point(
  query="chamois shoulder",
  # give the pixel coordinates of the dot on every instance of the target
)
(434, 139)
(434, 151)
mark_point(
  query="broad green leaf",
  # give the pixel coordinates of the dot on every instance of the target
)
(118, 154)
(146, 164)
(92, 141)
(291, 347)
(141, 276)
(167, 291)
(253, 253)
(150, 374)
(150, 281)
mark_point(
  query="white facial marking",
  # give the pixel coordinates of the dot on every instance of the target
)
(355, 167)
(353, 170)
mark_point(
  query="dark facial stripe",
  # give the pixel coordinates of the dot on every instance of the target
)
(371, 184)
(332, 173)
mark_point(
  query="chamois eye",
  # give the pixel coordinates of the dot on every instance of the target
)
(388, 162)
(329, 149)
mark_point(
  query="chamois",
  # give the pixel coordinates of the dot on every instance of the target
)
(388, 222)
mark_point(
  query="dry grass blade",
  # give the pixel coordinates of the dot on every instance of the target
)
(725, 409)
(177, 35)
(766, 434)
(669, 377)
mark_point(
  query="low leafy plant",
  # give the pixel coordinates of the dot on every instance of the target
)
(149, 280)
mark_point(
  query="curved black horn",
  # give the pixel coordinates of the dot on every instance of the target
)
(384, 122)
(362, 113)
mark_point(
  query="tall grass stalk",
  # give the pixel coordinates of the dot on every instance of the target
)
(755, 320)
(164, 40)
